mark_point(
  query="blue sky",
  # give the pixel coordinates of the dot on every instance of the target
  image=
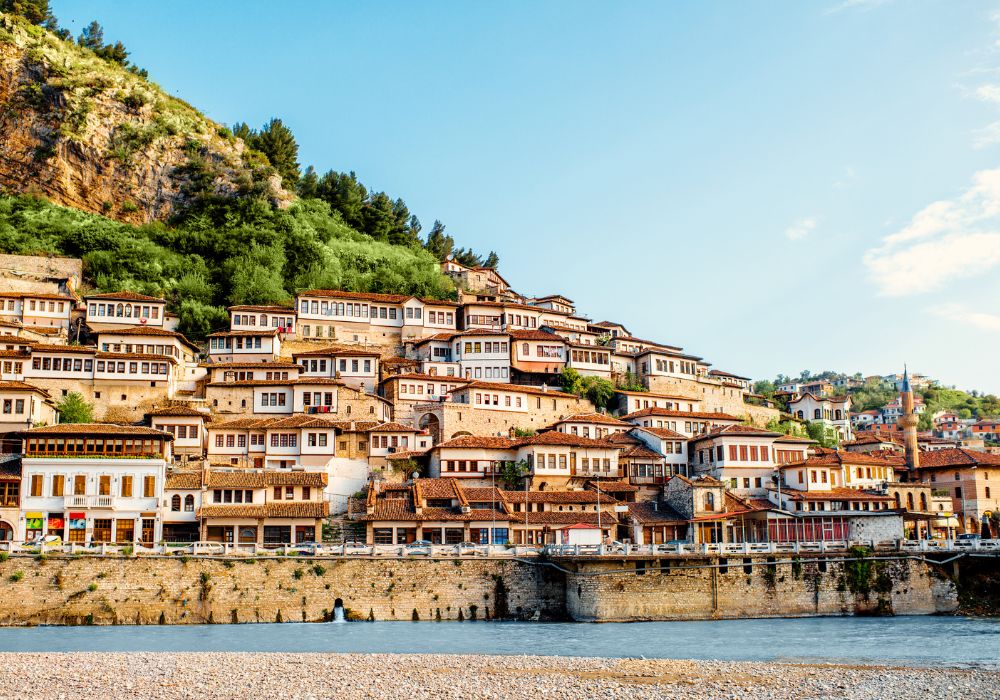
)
(775, 186)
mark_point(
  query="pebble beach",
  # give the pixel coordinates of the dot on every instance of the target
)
(210, 676)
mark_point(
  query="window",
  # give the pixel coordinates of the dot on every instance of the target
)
(175, 503)
(148, 486)
(126, 486)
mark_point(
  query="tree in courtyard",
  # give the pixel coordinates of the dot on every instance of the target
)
(74, 409)
(511, 474)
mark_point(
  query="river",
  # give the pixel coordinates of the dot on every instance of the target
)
(914, 641)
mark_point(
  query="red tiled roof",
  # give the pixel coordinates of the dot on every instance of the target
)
(647, 514)
(96, 429)
(216, 479)
(594, 418)
(125, 296)
(395, 428)
(670, 413)
(957, 457)
(177, 481)
(665, 433)
(22, 387)
(479, 441)
(555, 438)
(179, 411)
(835, 494)
(735, 430)
(535, 335)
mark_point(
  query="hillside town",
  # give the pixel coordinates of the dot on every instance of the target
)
(388, 419)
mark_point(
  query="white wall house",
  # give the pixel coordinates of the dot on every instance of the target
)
(124, 309)
(92, 483)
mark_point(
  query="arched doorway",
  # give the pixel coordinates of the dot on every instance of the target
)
(432, 424)
(6, 531)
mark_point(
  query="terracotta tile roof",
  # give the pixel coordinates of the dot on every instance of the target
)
(566, 518)
(665, 433)
(297, 509)
(479, 441)
(873, 438)
(125, 296)
(670, 413)
(535, 335)
(43, 330)
(84, 349)
(394, 428)
(437, 488)
(593, 418)
(409, 454)
(263, 479)
(233, 510)
(735, 431)
(720, 373)
(612, 486)
(97, 430)
(183, 481)
(795, 439)
(266, 309)
(647, 514)
(957, 457)
(639, 452)
(372, 296)
(252, 364)
(10, 467)
(582, 496)
(555, 438)
(179, 411)
(622, 439)
(21, 387)
(36, 295)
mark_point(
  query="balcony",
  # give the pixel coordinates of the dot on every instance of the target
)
(89, 502)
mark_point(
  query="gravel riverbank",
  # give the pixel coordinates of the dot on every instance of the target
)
(211, 676)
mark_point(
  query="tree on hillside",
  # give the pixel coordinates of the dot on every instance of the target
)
(439, 244)
(276, 141)
(492, 260)
(74, 409)
(35, 11)
(467, 257)
(92, 37)
(308, 184)
(115, 53)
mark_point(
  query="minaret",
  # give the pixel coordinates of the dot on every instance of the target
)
(908, 422)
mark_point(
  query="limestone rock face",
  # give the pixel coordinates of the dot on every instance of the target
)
(89, 134)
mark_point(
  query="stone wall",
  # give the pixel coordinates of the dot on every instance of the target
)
(176, 590)
(714, 397)
(111, 590)
(139, 397)
(751, 587)
(36, 273)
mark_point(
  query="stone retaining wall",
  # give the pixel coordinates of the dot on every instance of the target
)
(180, 590)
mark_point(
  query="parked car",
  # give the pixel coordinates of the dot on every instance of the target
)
(419, 547)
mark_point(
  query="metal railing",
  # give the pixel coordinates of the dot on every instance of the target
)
(245, 550)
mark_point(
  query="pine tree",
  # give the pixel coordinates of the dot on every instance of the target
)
(92, 37)
(492, 260)
(276, 141)
(35, 11)
(439, 244)
(309, 184)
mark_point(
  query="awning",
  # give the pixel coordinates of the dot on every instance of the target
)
(77, 516)
(34, 516)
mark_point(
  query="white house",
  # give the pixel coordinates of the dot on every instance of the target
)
(93, 482)
(124, 309)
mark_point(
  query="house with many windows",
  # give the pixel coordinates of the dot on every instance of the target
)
(93, 482)
(125, 310)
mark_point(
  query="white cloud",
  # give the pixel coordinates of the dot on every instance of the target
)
(850, 175)
(800, 229)
(989, 135)
(946, 240)
(860, 5)
(970, 317)
(988, 93)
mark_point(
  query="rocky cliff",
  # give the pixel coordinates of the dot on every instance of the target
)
(87, 133)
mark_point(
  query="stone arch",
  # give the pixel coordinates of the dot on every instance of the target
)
(432, 424)
(460, 433)
(909, 501)
(923, 502)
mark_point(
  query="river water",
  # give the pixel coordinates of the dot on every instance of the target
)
(917, 641)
